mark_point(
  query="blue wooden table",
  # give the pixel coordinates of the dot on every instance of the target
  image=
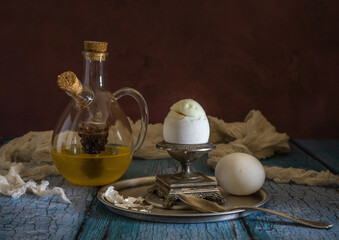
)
(32, 217)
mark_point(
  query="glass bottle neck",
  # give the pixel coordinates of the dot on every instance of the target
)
(95, 70)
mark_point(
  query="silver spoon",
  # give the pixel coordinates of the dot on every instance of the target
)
(206, 206)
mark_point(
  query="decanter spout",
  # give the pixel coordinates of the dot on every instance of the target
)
(68, 81)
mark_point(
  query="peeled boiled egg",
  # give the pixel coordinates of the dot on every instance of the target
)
(240, 174)
(186, 123)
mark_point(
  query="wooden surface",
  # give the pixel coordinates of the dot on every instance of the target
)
(32, 217)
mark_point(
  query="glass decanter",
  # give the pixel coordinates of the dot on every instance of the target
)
(92, 143)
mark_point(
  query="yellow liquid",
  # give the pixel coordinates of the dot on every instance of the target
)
(92, 169)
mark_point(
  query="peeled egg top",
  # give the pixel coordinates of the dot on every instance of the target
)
(186, 123)
(240, 174)
(189, 108)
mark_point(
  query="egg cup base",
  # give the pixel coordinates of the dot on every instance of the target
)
(167, 187)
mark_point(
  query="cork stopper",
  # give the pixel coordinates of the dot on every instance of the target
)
(69, 82)
(93, 46)
(95, 51)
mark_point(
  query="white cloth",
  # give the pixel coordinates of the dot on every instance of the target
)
(13, 185)
(29, 157)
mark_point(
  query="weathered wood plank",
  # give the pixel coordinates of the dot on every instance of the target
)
(296, 158)
(103, 224)
(32, 217)
(317, 203)
(325, 151)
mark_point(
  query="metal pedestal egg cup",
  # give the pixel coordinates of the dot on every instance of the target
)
(164, 192)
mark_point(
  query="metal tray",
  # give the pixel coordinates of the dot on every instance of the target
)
(138, 187)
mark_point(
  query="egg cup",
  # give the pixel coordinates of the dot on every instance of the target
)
(185, 182)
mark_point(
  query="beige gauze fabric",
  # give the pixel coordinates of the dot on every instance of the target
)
(29, 157)
(255, 136)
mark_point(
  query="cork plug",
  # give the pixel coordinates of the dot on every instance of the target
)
(93, 46)
(69, 82)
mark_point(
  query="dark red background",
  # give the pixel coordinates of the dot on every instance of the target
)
(280, 57)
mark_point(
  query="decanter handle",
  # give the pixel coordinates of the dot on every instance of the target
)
(143, 112)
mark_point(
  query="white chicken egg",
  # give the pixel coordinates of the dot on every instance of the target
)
(240, 174)
(186, 123)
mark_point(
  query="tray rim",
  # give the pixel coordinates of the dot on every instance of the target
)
(194, 217)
